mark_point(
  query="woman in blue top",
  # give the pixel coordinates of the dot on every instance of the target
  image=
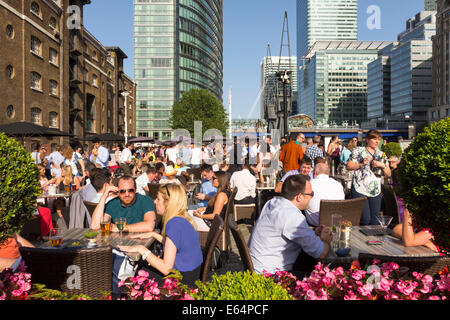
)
(181, 242)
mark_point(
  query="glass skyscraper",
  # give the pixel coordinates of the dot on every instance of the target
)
(177, 47)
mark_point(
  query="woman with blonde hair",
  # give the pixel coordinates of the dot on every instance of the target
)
(67, 178)
(181, 242)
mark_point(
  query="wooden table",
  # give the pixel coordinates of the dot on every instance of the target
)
(390, 247)
(77, 234)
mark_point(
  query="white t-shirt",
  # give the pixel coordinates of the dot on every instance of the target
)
(196, 156)
(245, 183)
(141, 182)
(172, 154)
(125, 155)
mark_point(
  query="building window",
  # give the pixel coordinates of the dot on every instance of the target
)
(35, 9)
(53, 56)
(94, 55)
(53, 119)
(36, 46)
(10, 31)
(52, 23)
(36, 115)
(10, 112)
(94, 80)
(85, 75)
(10, 72)
(53, 85)
(36, 81)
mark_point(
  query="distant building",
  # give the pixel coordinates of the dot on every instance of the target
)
(178, 46)
(59, 77)
(430, 5)
(441, 89)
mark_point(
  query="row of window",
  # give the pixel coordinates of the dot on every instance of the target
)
(36, 10)
(36, 116)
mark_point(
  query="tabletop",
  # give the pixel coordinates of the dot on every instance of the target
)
(390, 247)
(55, 195)
(264, 186)
(77, 234)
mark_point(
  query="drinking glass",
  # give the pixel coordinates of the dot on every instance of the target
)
(121, 222)
(67, 189)
(335, 228)
(105, 226)
(384, 223)
(56, 237)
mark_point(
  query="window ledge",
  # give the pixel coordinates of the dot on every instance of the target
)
(54, 64)
(37, 55)
(37, 90)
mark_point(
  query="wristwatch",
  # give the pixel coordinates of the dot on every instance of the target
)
(145, 255)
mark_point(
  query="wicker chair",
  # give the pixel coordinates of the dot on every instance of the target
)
(197, 172)
(73, 271)
(241, 244)
(214, 234)
(350, 209)
(244, 211)
(389, 203)
(426, 265)
(153, 190)
(31, 230)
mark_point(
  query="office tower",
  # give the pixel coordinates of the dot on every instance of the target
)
(177, 47)
(430, 5)
(441, 88)
(333, 80)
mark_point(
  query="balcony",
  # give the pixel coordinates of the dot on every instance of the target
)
(75, 46)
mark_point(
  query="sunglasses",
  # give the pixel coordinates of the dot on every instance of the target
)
(167, 189)
(125, 190)
(214, 178)
(309, 194)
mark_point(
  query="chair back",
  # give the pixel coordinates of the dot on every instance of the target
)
(426, 265)
(153, 190)
(244, 211)
(90, 206)
(31, 229)
(389, 203)
(226, 244)
(74, 271)
(197, 172)
(350, 209)
(241, 244)
(214, 234)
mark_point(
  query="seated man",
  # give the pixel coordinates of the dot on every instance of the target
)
(245, 183)
(144, 179)
(305, 169)
(325, 188)
(139, 210)
(207, 191)
(281, 232)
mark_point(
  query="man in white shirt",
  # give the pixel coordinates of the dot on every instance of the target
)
(325, 188)
(126, 159)
(172, 153)
(103, 153)
(196, 156)
(35, 155)
(144, 179)
(245, 183)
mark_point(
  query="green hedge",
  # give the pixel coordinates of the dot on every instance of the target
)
(392, 149)
(19, 187)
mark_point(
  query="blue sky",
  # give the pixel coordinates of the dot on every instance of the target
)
(249, 26)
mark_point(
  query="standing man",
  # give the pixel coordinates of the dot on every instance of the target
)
(292, 153)
(126, 159)
(35, 155)
(281, 232)
(103, 153)
(196, 156)
(314, 151)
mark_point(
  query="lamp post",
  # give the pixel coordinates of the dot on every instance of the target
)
(126, 94)
(284, 77)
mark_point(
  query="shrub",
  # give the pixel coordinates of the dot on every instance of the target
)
(392, 149)
(424, 175)
(19, 187)
(240, 286)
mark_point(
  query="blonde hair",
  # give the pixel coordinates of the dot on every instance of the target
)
(176, 204)
(67, 151)
(68, 175)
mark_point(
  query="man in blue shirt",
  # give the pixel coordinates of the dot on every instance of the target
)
(103, 153)
(139, 210)
(207, 191)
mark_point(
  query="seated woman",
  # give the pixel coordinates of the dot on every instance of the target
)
(181, 242)
(43, 180)
(405, 230)
(67, 178)
(217, 204)
(137, 169)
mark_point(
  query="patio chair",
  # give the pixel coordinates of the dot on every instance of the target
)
(31, 229)
(244, 211)
(209, 250)
(153, 190)
(426, 265)
(74, 271)
(241, 244)
(389, 204)
(182, 179)
(197, 172)
(91, 207)
(350, 209)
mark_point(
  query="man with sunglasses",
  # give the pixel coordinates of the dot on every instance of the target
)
(139, 210)
(281, 232)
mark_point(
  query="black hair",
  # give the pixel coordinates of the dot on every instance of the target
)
(294, 185)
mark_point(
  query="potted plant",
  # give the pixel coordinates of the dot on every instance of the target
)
(91, 237)
(424, 176)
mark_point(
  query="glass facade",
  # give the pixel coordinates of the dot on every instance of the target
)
(177, 47)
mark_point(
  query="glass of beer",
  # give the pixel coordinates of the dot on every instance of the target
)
(56, 237)
(67, 189)
(105, 225)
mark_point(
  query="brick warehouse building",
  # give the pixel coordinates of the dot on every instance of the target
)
(60, 77)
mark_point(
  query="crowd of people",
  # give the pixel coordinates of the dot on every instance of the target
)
(302, 169)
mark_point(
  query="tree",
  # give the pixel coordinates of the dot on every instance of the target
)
(198, 105)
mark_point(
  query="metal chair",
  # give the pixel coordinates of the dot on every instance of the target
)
(350, 209)
(426, 265)
(244, 211)
(80, 271)
(212, 239)
(389, 203)
(241, 244)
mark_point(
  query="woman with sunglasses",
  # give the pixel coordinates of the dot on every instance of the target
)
(181, 242)
(217, 204)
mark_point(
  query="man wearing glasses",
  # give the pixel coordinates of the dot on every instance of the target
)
(281, 232)
(139, 210)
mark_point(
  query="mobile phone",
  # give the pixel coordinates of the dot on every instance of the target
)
(374, 242)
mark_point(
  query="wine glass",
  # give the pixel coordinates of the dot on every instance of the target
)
(121, 222)
(384, 223)
(335, 227)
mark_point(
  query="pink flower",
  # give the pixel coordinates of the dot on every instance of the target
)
(143, 273)
(358, 274)
(365, 290)
(17, 293)
(434, 298)
(384, 284)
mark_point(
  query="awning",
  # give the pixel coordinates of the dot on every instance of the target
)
(28, 129)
